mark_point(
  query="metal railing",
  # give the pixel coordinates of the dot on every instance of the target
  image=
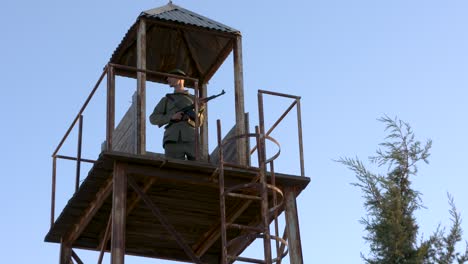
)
(78, 158)
(109, 71)
(297, 103)
(259, 183)
(260, 134)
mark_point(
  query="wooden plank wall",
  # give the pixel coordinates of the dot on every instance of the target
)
(124, 136)
(230, 149)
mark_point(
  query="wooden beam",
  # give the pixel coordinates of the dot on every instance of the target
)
(239, 100)
(119, 202)
(131, 205)
(292, 224)
(94, 206)
(171, 25)
(190, 52)
(247, 139)
(172, 175)
(141, 88)
(110, 115)
(204, 128)
(223, 54)
(128, 42)
(135, 199)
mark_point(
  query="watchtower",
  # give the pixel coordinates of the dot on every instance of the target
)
(141, 203)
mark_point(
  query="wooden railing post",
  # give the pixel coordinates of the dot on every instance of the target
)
(292, 223)
(110, 115)
(119, 202)
(239, 100)
(141, 88)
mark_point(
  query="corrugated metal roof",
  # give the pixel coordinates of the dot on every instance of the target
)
(171, 12)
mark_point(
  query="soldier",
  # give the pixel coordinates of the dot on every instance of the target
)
(179, 136)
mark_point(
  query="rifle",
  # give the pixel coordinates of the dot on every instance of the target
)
(189, 110)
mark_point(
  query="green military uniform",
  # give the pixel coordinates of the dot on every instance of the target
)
(179, 137)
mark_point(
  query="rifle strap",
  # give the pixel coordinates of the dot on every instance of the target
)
(169, 97)
(177, 103)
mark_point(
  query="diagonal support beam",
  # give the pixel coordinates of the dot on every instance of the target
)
(76, 258)
(94, 206)
(135, 199)
(156, 212)
(131, 205)
(105, 239)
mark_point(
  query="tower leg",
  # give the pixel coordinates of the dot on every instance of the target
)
(119, 201)
(65, 253)
(292, 223)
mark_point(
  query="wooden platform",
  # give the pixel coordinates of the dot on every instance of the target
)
(185, 192)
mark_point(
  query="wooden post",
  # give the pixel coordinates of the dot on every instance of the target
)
(204, 127)
(247, 139)
(119, 202)
(239, 100)
(65, 253)
(110, 116)
(292, 223)
(141, 89)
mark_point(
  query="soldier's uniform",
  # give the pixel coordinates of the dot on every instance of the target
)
(179, 137)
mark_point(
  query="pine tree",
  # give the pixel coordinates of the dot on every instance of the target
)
(390, 201)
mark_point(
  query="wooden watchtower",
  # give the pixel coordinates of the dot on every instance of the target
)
(141, 203)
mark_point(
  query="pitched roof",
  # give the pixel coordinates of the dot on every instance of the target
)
(171, 12)
(177, 38)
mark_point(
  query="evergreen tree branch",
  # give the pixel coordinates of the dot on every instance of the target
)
(390, 201)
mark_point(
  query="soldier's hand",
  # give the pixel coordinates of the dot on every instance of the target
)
(177, 116)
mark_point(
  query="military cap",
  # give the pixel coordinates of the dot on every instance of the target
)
(178, 72)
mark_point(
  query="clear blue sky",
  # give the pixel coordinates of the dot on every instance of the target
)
(351, 61)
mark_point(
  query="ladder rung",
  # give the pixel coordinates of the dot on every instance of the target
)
(244, 227)
(245, 196)
(251, 260)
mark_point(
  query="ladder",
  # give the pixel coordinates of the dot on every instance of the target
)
(257, 190)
